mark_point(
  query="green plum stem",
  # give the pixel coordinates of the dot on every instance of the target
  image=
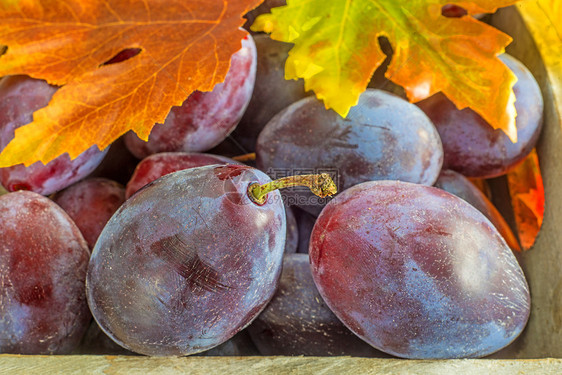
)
(320, 184)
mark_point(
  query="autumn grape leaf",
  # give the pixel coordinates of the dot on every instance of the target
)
(527, 199)
(185, 45)
(336, 51)
(544, 20)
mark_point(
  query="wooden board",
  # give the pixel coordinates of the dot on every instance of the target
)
(112, 365)
(539, 46)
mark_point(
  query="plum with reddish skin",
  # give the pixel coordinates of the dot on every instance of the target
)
(187, 262)
(205, 119)
(418, 272)
(272, 92)
(20, 96)
(91, 203)
(161, 164)
(471, 146)
(455, 183)
(43, 262)
(298, 322)
(158, 165)
(383, 137)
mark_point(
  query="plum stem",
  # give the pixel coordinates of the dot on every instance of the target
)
(245, 157)
(320, 184)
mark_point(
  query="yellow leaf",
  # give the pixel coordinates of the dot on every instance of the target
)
(544, 18)
(336, 51)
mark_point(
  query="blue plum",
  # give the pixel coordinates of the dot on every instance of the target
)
(472, 147)
(204, 119)
(418, 272)
(383, 137)
(20, 96)
(298, 322)
(43, 262)
(160, 164)
(91, 203)
(187, 262)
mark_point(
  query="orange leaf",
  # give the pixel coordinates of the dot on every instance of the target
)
(185, 46)
(527, 198)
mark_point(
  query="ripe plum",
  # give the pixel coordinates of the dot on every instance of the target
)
(205, 119)
(418, 272)
(91, 203)
(383, 137)
(20, 96)
(187, 262)
(471, 146)
(158, 165)
(298, 322)
(43, 262)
